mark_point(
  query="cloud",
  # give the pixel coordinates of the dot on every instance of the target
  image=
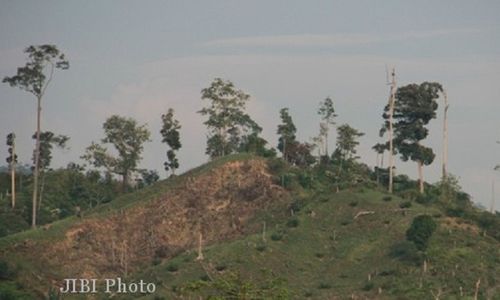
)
(330, 40)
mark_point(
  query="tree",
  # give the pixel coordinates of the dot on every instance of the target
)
(33, 79)
(420, 231)
(148, 177)
(12, 161)
(347, 141)
(227, 121)
(47, 141)
(286, 131)
(253, 143)
(171, 136)
(380, 149)
(415, 106)
(327, 113)
(127, 138)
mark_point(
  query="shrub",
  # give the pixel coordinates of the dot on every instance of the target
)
(173, 267)
(368, 286)
(406, 204)
(420, 231)
(324, 286)
(405, 251)
(345, 222)
(276, 165)
(261, 247)
(294, 222)
(220, 267)
(297, 205)
(353, 203)
(5, 271)
(276, 236)
(387, 198)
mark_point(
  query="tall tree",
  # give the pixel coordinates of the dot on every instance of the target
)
(227, 121)
(327, 113)
(171, 136)
(12, 161)
(128, 139)
(286, 131)
(47, 141)
(34, 78)
(414, 108)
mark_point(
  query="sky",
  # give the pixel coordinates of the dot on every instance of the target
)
(139, 58)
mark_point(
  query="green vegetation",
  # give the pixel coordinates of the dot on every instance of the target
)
(334, 232)
(420, 231)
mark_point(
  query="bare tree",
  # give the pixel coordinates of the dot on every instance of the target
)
(445, 135)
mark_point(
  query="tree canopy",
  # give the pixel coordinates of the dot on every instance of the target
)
(414, 107)
(171, 136)
(227, 122)
(128, 139)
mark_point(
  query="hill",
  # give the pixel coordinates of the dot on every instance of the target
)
(297, 241)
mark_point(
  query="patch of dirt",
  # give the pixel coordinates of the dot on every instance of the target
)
(455, 223)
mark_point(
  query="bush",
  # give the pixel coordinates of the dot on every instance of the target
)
(9, 291)
(420, 231)
(297, 205)
(220, 267)
(368, 286)
(353, 203)
(324, 286)
(294, 222)
(276, 165)
(261, 247)
(406, 251)
(173, 267)
(426, 198)
(276, 236)
(406, 204)
(5, 271)
(387, 198)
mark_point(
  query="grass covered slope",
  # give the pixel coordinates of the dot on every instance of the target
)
(262, 240)
(325, 252)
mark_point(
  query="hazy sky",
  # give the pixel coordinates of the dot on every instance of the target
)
(138, 58)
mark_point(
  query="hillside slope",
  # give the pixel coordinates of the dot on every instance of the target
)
(217, 200)
(298, 243)
(332, 251)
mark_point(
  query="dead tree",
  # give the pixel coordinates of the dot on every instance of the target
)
(12, 160)
(200, 247)
(476, 293)
(445, 136)
(391, 113)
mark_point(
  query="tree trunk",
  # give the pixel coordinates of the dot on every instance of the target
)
(42, 187)
(200, 247)
(445, 136)
(391, 112)
(420, 177)
(326, 141)
(125, 181)
(37, 162)
(13, 174)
